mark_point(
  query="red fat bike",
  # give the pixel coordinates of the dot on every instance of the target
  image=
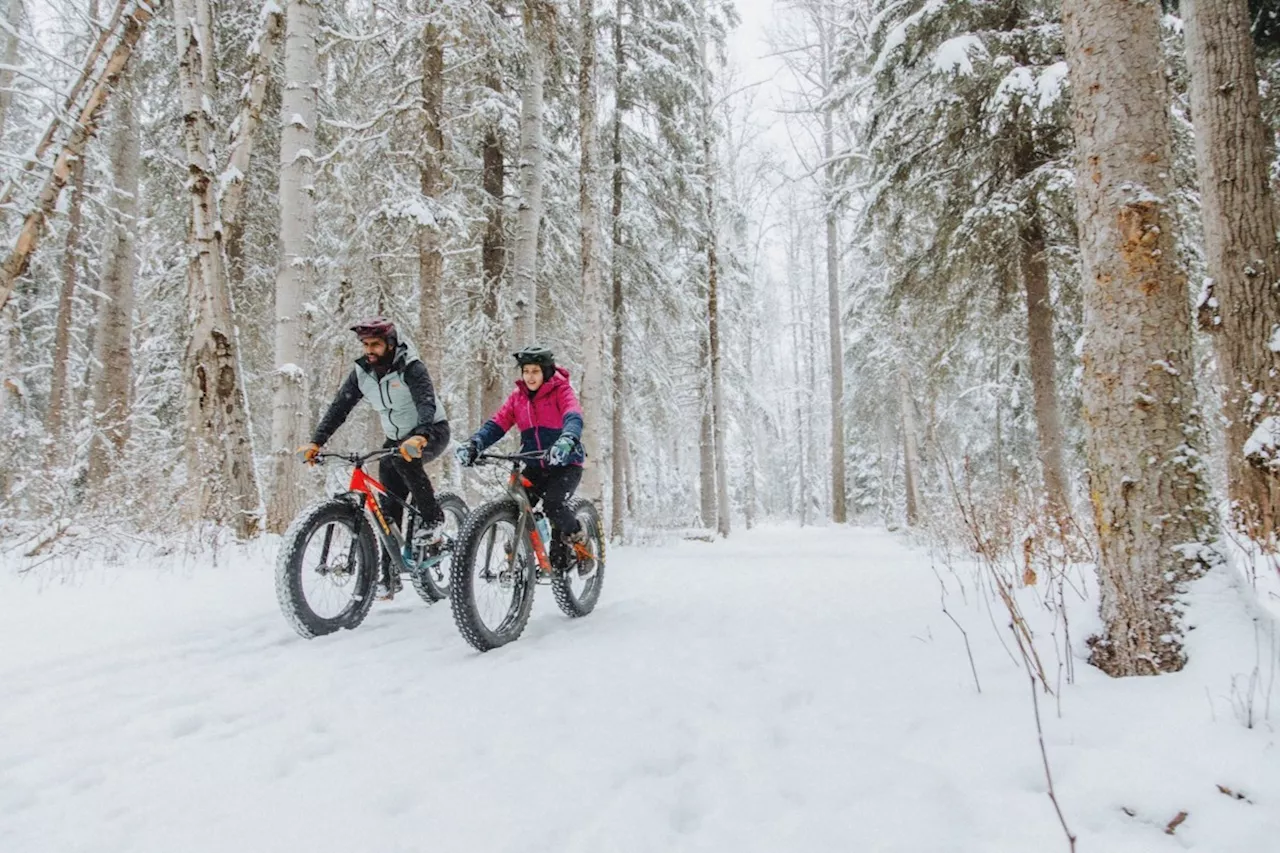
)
(507, 548)
(334, 555)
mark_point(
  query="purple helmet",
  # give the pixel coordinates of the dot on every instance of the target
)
(375, 327)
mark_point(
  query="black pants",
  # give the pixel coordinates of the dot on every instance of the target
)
(555, 486)
(401, 477)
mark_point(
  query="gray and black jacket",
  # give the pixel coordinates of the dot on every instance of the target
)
(403, 396)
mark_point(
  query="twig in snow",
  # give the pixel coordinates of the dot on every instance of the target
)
(1048, 774)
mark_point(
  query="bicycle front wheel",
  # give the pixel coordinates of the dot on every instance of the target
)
(493, 577)
(326, 569)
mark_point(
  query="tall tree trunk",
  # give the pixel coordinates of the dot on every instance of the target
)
(1044, 386)
(219, 453)
(538, 26)
(84, 128)
(793, 265)
(619, 503)
(1145, 483)
(706, 448)
(592, 386)
(839, 508)
(492, 260)
(10, 60)
(431, 178)
(718, 415)
(296, 271)
(66, 306)
(910, 448)
(115, 320)
(59, 396)
(1233, 157)
(243, 130)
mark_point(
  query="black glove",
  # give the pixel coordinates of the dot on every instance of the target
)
(467, 452)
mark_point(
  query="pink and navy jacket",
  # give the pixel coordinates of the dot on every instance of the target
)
(541, 418)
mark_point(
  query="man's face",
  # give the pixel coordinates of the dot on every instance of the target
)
(375, 349)
(532, 376)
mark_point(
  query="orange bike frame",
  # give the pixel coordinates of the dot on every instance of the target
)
(516, 486)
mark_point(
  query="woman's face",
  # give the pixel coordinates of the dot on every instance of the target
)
(532, 376)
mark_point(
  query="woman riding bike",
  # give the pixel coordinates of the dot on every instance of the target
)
(546, 411)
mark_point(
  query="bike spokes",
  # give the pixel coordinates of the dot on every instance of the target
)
(328, 570)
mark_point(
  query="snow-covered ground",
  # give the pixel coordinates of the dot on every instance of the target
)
(781, 690)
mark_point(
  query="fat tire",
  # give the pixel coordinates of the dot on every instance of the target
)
(562, 579)
(423, 584)
(462, 592)
(293, 546)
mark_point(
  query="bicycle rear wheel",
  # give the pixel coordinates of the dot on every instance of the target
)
(493, 577)
(433, 582)
(577, 592)
(326, 569)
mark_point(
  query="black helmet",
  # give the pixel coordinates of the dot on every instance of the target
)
(376, 327)
(539, 355)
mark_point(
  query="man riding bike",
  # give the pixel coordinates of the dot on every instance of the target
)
(392, 378)
(545, 409)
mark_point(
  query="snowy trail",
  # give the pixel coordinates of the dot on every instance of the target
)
(773, 689)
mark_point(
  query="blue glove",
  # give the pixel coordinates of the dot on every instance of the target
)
(467, 453)
(562, 450)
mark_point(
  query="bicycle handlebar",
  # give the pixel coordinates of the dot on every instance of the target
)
(513, 457)
(356, 458)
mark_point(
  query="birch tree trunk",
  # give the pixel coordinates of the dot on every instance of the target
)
(66, 304)
(85, 126)
(1233, 157)
(111, 394)
(220, 469)
(296, 272)
(592, 290)
(243, 130)
(10, 60)
(538, 26)
(1145, 482)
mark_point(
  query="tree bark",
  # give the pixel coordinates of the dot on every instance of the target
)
(111, 394)
(1034, 268)
(82, 131)
(538, 26)
(220, 468)
(839, 507)
(296, 272)
(592, 385)
(240, 144)
(718, 415)
(492, 261)
(910, 448)
(66, 307)
(431, 176)
(1242, 302)
(10, 60)
(1145, 483)
(617, 526)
